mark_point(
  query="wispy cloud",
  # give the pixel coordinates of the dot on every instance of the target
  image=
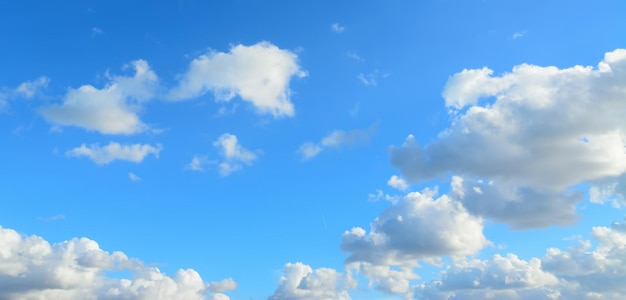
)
(115, 151)
(95, 31)
(335, 27)
(133, 177)
(335, 139)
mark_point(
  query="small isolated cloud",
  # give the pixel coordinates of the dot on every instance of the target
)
(355, 56)
(26, 90)
(32, 268)
(371, 78)
(336, 139)
(526, 142)
(133, 177)
(110, 110)
(309, 150)
(301, 282)
(398, 183)
(115, 151)
(29, 89)
(198, 163)
(258, 74)
(335, 27)
(519, 34)
(95, 31)
(52, 218)
(233, 156)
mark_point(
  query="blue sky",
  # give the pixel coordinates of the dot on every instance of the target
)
(312, 150)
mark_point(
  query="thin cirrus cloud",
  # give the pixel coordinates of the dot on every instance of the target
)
(233, 156)
(115, 151)
(258, 74)
(32, 268)
(336, 139)
(110, 110)
(530, 142)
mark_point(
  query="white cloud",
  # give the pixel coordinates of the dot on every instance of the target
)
(576, 273)
(336, 139)
(530, 140)
(301, 282)
(416, 227)
(115, 151)
(29, 89)
(309, 150)
(198, 163)
(234, 156)
(96, 31)
(31, 268)
(519, 34)
(259, 74)
(133, 177)
(110, 110)
(335, 27)
(25, 90)
(398, 183)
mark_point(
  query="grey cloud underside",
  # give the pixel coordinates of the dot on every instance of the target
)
(546, 130)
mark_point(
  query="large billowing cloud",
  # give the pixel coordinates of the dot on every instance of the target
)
(110, 110)
(301, 282)
(259, 74)
(576, 273)
(115, 151)
(546, 130)
(31, 268)
(416, 228)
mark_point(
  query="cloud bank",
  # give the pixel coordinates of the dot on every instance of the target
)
(32, 268)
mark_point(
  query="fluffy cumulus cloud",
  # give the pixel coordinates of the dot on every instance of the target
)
(259, 74)
(418, 227)
(115, 151)
(301, 282)
(233, 156)
(110, 110)
(32, 268)
(336, 139)
(528, 139)
(579, 272)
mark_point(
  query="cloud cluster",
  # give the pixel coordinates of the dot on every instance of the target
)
(335, 139)
(530, 142)
(576, 273)
(258, 74)
(416, 227)
(301, 282)
(115, 151)
(110, 110)
(31, 268)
